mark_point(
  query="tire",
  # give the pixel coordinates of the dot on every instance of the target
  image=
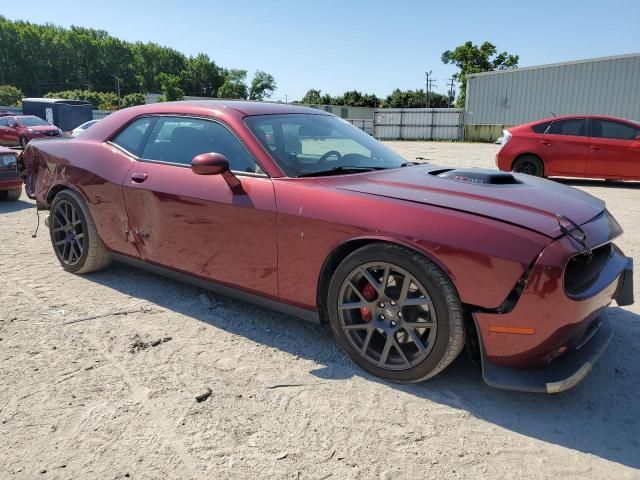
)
(529, 164)
(23, 143)
(12, 194)
(69, 218)
(388, 319)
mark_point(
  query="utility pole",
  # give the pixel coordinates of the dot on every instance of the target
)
(286, 99)
(118, 90)
(452, 92)
(428, 84)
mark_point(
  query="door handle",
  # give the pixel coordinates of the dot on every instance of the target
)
(544, 142)
(595, 147)
(138, 177)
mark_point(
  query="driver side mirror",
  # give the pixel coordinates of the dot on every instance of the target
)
(215, 164)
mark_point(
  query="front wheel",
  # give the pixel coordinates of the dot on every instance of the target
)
(395, 313)
(23, 143)
(74, 237)
(529, 164)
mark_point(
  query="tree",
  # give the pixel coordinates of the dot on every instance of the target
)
(312, 97)
(470, 58)
(202, 76)
(354, 98)
(414, 99)
(171, 90)
(234, 84)
(263, 85)
(10, 95)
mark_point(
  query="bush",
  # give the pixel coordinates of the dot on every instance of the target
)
(10, 95)
(99, 100)
(132, 99)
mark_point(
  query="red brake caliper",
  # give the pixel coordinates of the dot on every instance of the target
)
(369, 293)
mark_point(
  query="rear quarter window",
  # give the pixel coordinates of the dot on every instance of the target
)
(576, 127)
(133, 136)
(541, 127)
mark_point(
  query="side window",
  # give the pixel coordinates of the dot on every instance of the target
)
(4, 122)
(132, 137)
(576, 127)
(541, 127)
(614, 130)
(179, 139)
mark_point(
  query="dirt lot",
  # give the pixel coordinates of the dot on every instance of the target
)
(99, 376)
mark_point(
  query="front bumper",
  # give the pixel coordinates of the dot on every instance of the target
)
(564, 373)
(550, 339)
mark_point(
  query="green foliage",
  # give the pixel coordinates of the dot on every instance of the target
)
(234, 85)
(170, 84)
(10, 95)
(352, 98)
(44, 58)
(263, 85)
(99, 100)
(415, 99)
(202, 76)
(132, 99)
(470, 58)
(312, 97)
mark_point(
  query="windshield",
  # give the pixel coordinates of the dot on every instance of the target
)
(307, 144)
(31, 121)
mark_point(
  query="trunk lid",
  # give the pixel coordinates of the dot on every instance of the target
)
(522, 200)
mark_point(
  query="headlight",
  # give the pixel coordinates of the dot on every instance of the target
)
(31, 130)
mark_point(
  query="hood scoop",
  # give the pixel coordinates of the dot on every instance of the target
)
(476, 176)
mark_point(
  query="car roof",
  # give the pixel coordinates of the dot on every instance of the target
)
(568, 117)
(244, 107)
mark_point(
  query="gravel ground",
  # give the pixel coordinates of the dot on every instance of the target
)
(100, 375)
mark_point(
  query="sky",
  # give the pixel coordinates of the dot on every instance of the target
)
(373, 46)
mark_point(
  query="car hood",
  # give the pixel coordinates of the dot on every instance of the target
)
(530, 202)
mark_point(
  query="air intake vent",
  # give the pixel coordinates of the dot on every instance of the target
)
(477, 176)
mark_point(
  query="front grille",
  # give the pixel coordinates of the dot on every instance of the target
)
(53, 133)
(581, 273)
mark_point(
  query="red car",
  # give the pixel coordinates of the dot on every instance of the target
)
(21, 129)
(573, 146)
(297, 210)
(10, 181)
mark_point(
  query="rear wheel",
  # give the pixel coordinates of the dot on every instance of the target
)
(74, 236)
(12, 194)
(395, 313)
(529, 164)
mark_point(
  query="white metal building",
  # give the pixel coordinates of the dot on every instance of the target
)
(599, 86)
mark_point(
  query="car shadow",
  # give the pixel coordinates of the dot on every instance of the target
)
(575, 182)
(15, 206)
(598, 417)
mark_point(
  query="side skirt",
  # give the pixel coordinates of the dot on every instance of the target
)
(235, 293)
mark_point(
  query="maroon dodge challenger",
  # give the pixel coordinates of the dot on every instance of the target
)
(297, 210)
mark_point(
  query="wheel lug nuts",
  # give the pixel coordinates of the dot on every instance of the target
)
(392, 302)
(381, 317)
(393, 324)
(400, 314)
(382, 305)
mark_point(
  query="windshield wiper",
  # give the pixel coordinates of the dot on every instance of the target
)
(339, 170)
